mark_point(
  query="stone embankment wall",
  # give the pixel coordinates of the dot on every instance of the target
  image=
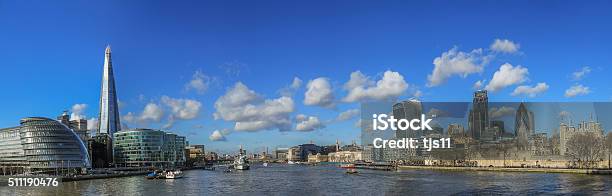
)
(518, 163)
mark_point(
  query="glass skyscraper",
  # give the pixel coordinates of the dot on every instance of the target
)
(109, 110)
(478, 121)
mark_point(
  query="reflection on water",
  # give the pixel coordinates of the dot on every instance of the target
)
(328, 180)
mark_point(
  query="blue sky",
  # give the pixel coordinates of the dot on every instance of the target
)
(51, 54)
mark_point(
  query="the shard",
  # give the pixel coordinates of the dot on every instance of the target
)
(109, 110)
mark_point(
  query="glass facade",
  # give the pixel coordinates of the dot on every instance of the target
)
(148, 148)
(41, 145)
(109, 121)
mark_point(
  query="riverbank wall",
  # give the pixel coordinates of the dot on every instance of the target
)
(536, 163)
(505, 169)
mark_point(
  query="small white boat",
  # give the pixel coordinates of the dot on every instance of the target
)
(265, 164)
(290, 162)
(174, 174)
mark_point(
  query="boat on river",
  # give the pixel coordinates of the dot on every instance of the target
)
(170, 174)
(241, 162)
(174, 174)
(347, 166)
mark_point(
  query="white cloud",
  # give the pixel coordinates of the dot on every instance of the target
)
(308, 123)
(300, 117)
(358, 80)
(361, 88)
(507, 75)
(216, 136)
(250, 112)
(576, 90)
(495, 112)
(130, 117)
(578, 75)
(349, 114)
(478, 84)
(454, 62)
(319, 93)
(151, 112)
(92, 124)
(288, 91)
(418, 93)
(530, 91)
(436, 113)
(170, 122)
(78, 111)
(504, 46)
(121, 104)
(297, 82)
(199, 82)
(182, 108)
(358, 123)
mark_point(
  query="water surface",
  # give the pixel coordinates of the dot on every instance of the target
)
(280, 179)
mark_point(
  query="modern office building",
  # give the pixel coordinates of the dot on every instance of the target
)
(478, 121)
(409, 109)
(195, 151)
(108, 117)
(79, 126)
(100, 152)
(148, 148)
(500, 125)
(108, 122)
(41, 145)
(524, 126)
(300, 153)
(194, 154)
(281, 153)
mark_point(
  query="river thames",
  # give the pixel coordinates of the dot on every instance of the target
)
(280, 179)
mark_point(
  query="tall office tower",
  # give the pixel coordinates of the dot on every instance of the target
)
(523, 126)
(479, 115)
(109, 110)
(410, 109)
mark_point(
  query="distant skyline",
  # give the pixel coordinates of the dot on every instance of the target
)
(280, 73)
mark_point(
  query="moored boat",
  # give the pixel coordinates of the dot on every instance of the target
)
(347, 166)
(174, 174)
(241, 162)
(152, 175)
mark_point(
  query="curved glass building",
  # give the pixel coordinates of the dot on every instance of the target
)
(41, 145)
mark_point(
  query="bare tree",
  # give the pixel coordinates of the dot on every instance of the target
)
(555, 143)
(609, 147)
(586, 148)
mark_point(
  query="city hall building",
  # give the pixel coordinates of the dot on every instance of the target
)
(148, 148)
(41, 145)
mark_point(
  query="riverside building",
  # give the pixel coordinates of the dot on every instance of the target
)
(148, 148)
(41, 145)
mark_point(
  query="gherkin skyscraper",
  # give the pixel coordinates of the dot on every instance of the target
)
(109, 110)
